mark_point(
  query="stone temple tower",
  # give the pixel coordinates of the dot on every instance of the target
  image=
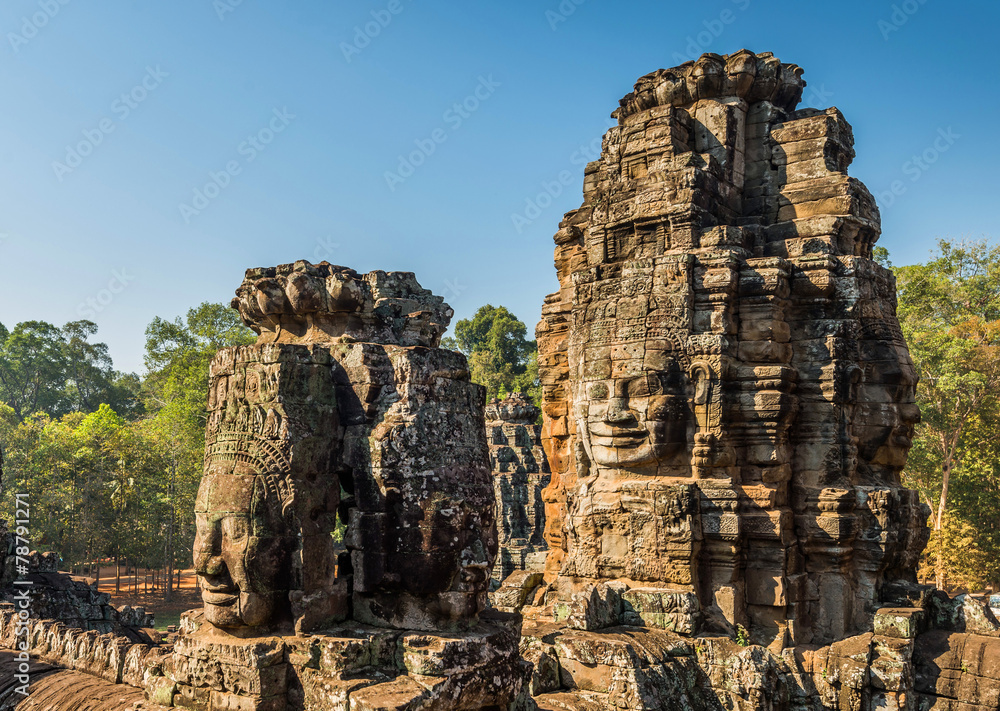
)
(728, 398)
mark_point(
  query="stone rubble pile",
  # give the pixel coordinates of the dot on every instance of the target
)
(57, 596)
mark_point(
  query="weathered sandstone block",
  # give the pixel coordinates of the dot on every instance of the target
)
(345, 409)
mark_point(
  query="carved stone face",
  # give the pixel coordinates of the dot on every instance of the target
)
(444, 549)
(470, 570)
(633, 421)
(242, 551)
(475, 560)
(886, 412)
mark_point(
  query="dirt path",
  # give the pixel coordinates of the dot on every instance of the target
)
(188, 581)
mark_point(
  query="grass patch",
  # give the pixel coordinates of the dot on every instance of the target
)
(167, 618)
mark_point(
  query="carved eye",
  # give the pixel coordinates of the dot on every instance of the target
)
(236, 528)
(597, 391)
(644, 386)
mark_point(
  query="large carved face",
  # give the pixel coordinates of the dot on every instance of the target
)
(633, 421)
(242, 550)
(886, 410)
(446, 545)
(470, 572)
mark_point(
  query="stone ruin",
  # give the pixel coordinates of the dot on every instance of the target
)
(65, 634)
(729, 396)
(59, 596)
(344, 408)
(728, 404)
(520, 472)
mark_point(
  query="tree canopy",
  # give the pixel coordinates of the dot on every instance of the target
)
(501, 358)
(57, 370)
(111, 462)
(949, 310)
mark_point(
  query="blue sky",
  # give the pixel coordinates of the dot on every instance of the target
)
(290, 121)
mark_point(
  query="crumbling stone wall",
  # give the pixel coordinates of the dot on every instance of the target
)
(68, 667)
(56, 596)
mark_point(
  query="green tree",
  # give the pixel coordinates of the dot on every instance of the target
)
(881, 255)
(949, 309)
(501, 358)
(33, 369)
(56, 371)
(178, 354)
(87, 478)
(91, 379)
(111, 464)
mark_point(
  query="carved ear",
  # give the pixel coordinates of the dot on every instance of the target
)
(274, 499)
(288, 508)
(280, 493)
(702, 376)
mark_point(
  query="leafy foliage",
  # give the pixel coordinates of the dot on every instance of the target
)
(57, 370)
(111, 463)
(178, 354)
(949, 309)
(501, 358)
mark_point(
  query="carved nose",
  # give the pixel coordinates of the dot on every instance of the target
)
(214, 565)
(207, 564)
(910, 414)
(617, 411)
